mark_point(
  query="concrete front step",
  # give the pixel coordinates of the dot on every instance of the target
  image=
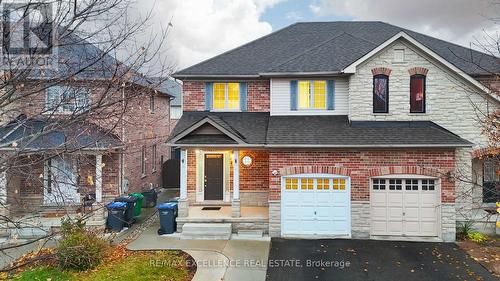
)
(250, 233)
(207, 231)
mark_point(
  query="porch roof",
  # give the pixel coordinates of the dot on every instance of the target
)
(260, 129)
(39, 134)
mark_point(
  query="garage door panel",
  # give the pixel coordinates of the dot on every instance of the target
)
(405, 209)
(317, 210)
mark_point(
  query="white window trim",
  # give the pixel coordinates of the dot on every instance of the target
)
(59, 106)
(311, 96)
(226, 98)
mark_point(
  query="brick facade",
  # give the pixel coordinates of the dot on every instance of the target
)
(26, 182)
(132, 121)
(360, 165)
(258, 97)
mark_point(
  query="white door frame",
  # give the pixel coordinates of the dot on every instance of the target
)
(200, 174)
(318, 175)
(437, 186)
(50, 199)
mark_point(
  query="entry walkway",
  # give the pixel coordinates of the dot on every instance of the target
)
(234, 259)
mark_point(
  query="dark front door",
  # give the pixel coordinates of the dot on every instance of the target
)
(214, 170)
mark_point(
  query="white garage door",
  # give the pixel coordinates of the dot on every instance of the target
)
(315, 205)
(404, 207)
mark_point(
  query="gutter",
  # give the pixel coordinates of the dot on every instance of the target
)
(326, 146)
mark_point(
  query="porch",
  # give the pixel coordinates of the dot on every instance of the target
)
(224, 186)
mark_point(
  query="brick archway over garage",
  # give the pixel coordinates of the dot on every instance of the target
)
(293, 170)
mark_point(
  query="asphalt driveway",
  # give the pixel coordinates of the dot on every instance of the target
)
(353, 260)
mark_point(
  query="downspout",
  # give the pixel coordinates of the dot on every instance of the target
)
(120, 184)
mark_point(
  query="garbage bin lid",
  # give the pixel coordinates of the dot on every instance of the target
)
(128, 199)
(167, 205)
(116, 205)
(137, 194)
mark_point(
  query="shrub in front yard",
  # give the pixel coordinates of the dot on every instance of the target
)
(477, 237)
(79, 249)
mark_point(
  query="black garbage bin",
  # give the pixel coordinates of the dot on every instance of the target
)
(167, 212)
(129, 211)
(150, 198)
(116, 216)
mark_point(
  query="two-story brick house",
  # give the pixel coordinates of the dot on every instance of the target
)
(97, 133)
(334, 129)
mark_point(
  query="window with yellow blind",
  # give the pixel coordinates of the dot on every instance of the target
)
(306, 183)
(339, 184)
(291, 183)
(226, 96)
(312, 94)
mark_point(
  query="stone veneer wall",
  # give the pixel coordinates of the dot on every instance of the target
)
(360, 219)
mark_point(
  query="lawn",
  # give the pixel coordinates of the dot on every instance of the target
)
(123, 265)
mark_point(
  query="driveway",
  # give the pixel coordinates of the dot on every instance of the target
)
(354, 260)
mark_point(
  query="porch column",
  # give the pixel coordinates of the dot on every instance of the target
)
(236, 204)
(183, 200)
(98, 178)
(4, 208)
(98, 211)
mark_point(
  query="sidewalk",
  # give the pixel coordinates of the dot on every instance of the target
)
(234, 259)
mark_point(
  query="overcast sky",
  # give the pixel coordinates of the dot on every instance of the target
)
(204, 28)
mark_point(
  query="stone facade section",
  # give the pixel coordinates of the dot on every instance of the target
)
(446, 94)
(258, 95)
(360, 219)
(360, 165)
(255, 198)
(275, 218)
(448, 222)
(236, 208)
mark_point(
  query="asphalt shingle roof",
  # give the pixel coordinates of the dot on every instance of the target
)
(334, 130)
(38, 134)
(329, 46)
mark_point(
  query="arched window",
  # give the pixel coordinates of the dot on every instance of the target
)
(380, 93)
(417, 93)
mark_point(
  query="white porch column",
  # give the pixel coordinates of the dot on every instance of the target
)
(4, 208)
(98, 178)
(3, 189)
(236, 204)
(183, 200)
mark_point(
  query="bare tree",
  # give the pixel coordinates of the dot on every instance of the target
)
(69, 93)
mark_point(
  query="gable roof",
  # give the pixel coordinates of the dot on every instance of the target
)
(329, 47)
(262, 130)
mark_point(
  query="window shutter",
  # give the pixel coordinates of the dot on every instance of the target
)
(293, 95)
(330, 94)
(243, 96)
(208, 95)
(53, 97)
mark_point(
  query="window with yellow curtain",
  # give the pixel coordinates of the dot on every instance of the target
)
(304, 95)
(320, 94)
(226, 96)
(233, 95)
(219, 95)
(312, 94)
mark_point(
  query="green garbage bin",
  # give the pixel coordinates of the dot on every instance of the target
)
(138, 203)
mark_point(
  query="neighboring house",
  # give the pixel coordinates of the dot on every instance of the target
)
(175, 90)
(63, 165)
(334, 129)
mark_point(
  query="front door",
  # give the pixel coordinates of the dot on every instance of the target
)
(214, 176)
(61, 182)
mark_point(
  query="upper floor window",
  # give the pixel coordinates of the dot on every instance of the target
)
(226, 96)
(67, 99)
(417, 93)
(152, 103)
(312, 94)
(380, 93)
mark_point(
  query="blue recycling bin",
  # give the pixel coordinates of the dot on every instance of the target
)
(129, 211)
(167, 212)
(116, 216)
